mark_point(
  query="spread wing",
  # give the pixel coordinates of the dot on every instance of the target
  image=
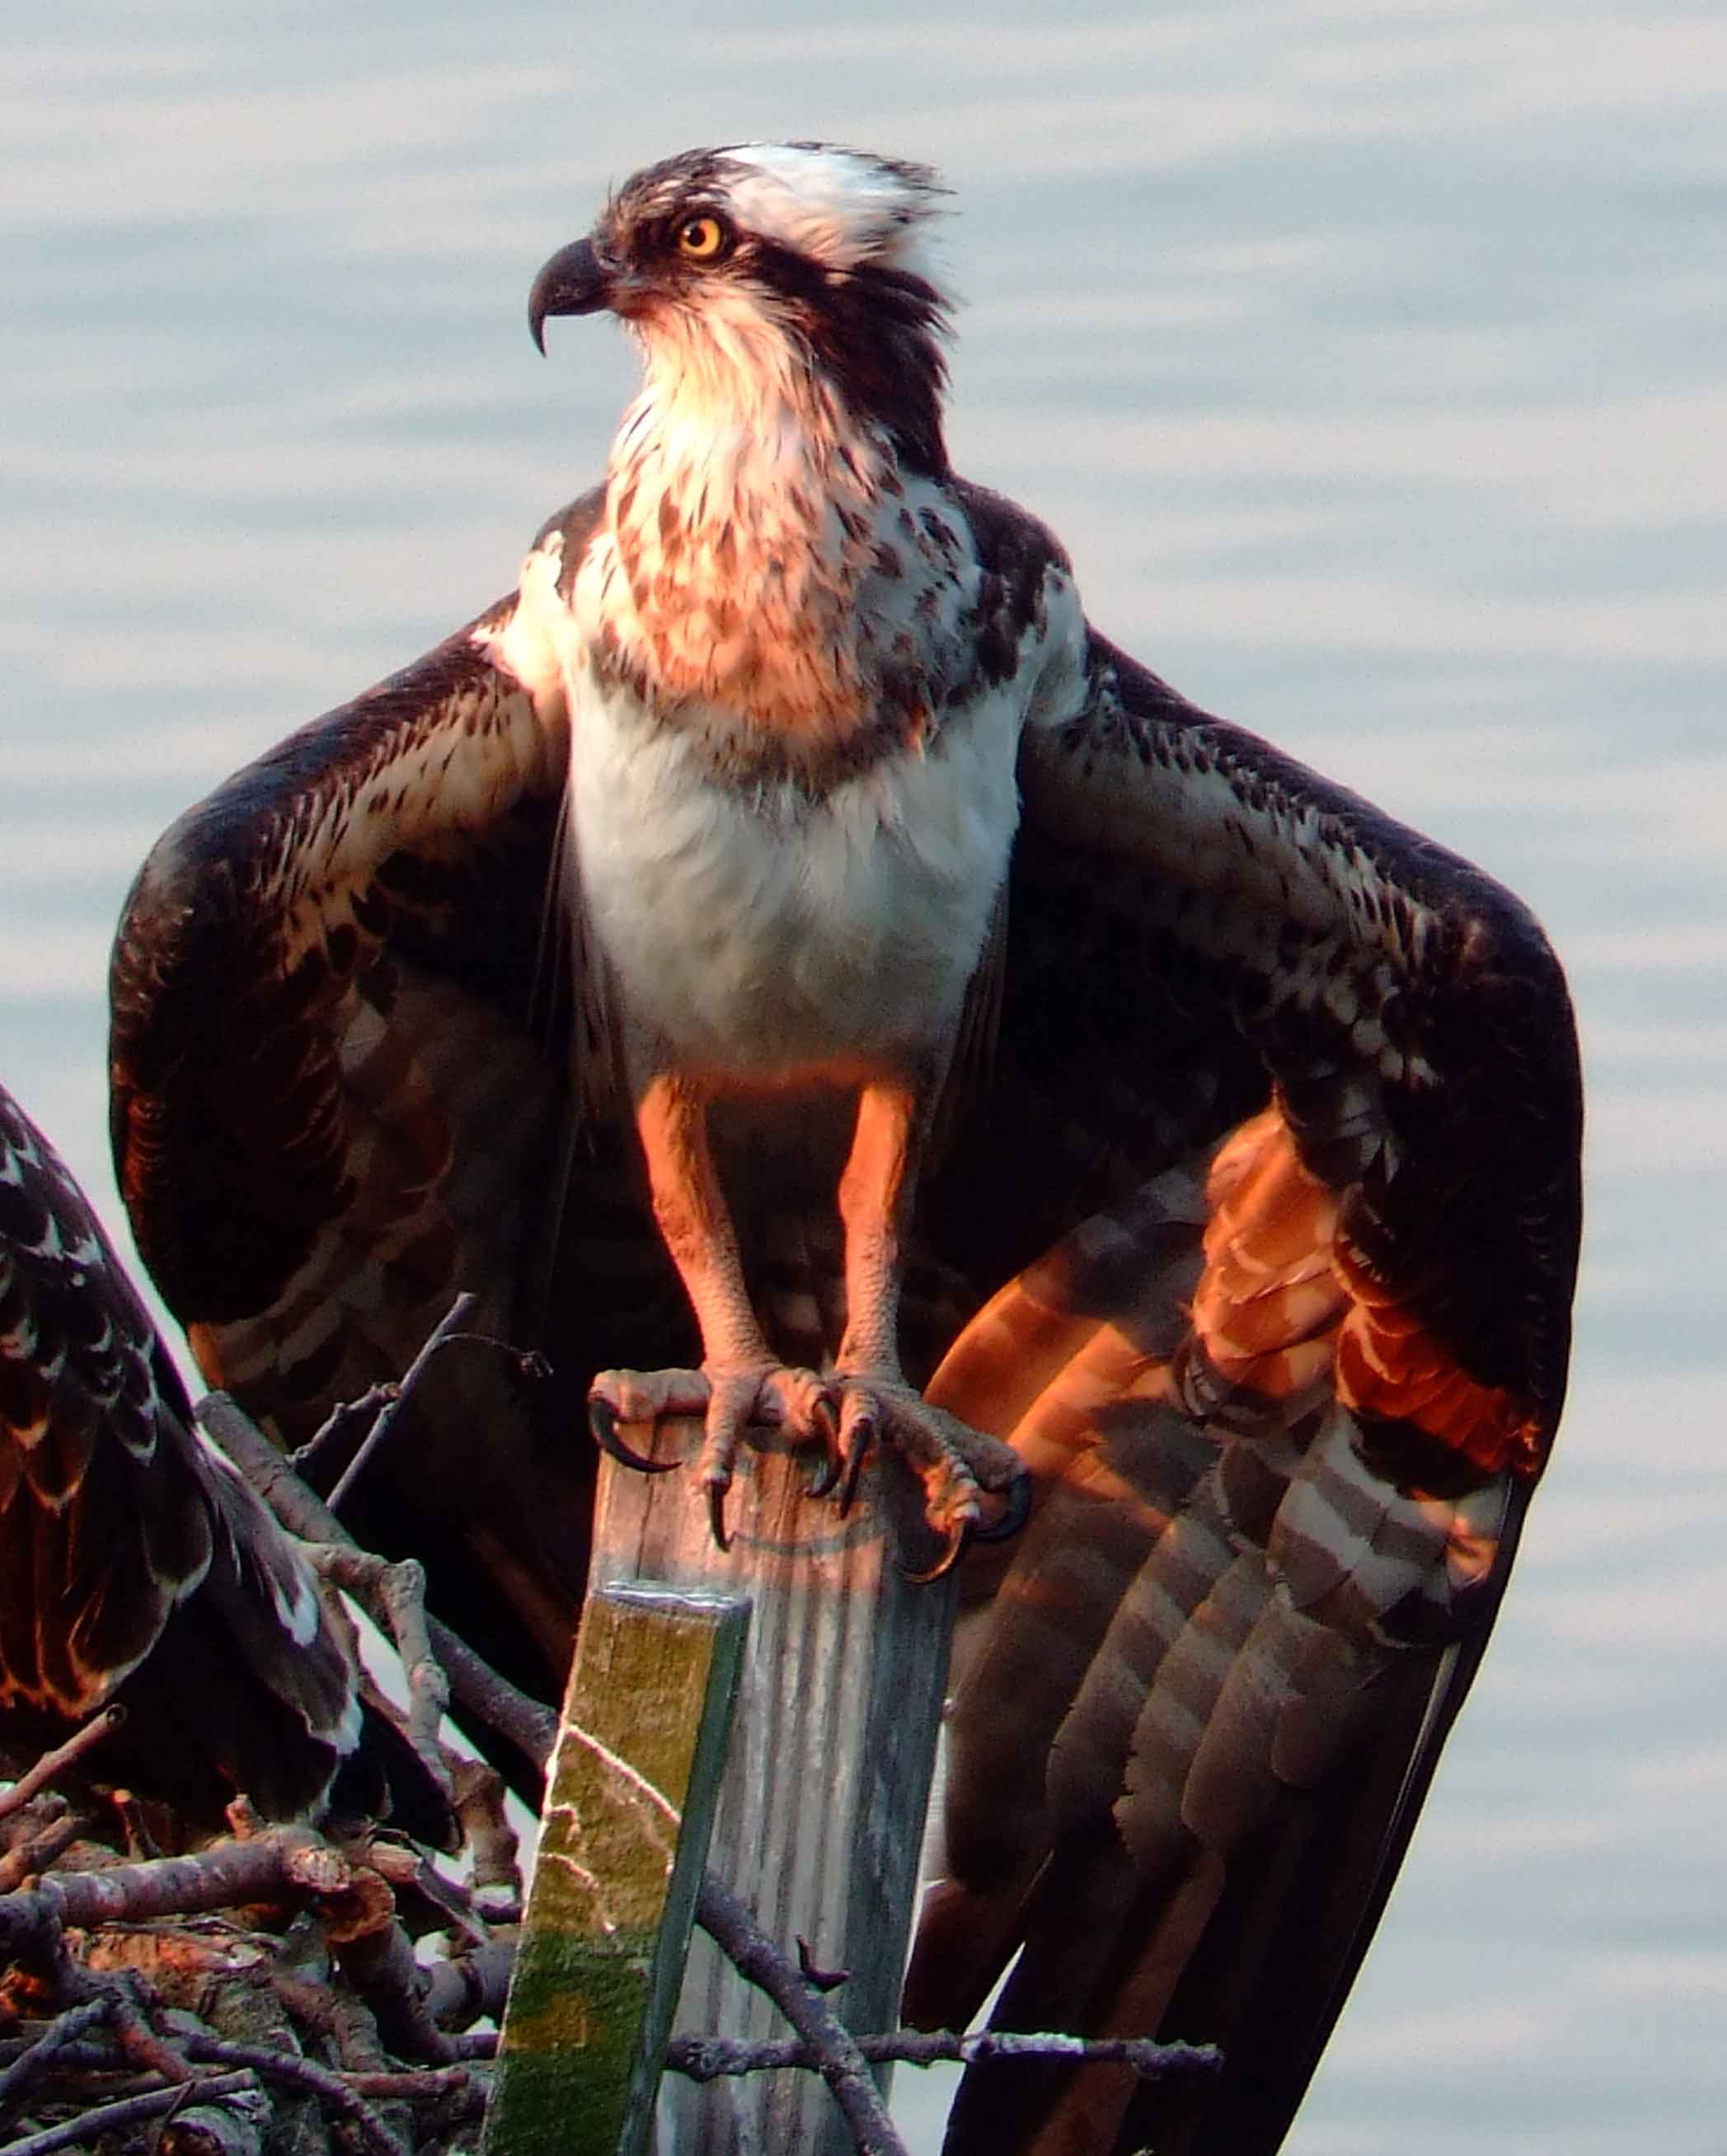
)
(340, 1050)
(1293, 1101)
(134, 1564)
(1258, 1244)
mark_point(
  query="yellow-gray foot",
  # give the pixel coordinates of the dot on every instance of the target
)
(728, 1397)
(974, 1486)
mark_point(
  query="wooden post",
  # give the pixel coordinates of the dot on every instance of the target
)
(822, 1802)
(623, 1840)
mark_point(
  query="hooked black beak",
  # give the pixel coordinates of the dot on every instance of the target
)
(575, 281)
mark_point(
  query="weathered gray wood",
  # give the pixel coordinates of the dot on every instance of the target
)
(624, 1838)
(822, 1804)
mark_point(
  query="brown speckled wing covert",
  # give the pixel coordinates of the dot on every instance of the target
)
(1310, 1085)
(135, 1565)
(338, 1049)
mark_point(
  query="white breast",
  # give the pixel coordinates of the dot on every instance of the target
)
(751, 932)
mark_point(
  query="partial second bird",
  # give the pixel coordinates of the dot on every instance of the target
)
(136, 1567)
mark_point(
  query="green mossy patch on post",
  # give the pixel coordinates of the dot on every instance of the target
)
(624, 1838)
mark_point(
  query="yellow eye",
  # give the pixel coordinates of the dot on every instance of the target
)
(700, 238)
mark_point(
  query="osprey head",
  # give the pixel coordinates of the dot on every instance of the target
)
(762, 263)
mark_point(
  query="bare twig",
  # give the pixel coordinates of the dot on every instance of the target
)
(288, 1859)
(223, 2125)
(337, 1429)
(833, 2049)
(300, 1509)
(344, 1420)
(409, 2084)
(140, 1842)
(470, 1987)
(458, 1311)
(245, 1822)
(416, 2084)
(31, 1817)
(80, 2054)
(344, 2095)
(131, 2110)
(706, 2058)
(410, 1871)
(475, 2044)
(374, 1953)
(527, 1723)
(42, 2053)
(132, 2032)
(478, 1793)
(54, 1762)
(349, 2025)
(394, 1595)
(40, 1849)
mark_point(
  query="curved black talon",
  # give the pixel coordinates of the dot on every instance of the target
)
(716, 1514)
(603, 1422)
(958, 1539)
(1014, 1513)
(863, 1435)
(822, 1482)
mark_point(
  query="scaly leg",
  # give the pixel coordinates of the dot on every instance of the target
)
(955, 1463)
(740, 1380)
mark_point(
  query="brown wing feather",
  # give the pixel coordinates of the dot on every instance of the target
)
(1283, 1394)
(340, 1098)
(134, 1564)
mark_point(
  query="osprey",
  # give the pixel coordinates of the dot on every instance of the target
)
(135, 1565)
(941, 1036)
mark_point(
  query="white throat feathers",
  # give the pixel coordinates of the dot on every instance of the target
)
(793, 380)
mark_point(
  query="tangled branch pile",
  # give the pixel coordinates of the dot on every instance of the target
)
(263, 1993)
